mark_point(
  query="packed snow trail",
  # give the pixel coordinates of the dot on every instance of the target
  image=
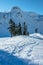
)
(24, 47)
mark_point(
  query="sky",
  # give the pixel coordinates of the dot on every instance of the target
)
(25, 5)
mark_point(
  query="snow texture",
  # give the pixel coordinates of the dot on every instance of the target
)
(22, 50)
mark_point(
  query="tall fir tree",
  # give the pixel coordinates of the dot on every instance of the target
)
(24, 29)
(36, 30)
(19, 29)
(11, 27)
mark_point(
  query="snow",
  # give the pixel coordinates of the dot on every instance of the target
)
(28, 50)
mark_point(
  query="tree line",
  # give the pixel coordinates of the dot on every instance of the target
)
(17, 29)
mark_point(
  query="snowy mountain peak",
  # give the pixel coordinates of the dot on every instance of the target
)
(15, 8)
(32, 19)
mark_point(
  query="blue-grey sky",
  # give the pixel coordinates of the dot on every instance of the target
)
(25, 5)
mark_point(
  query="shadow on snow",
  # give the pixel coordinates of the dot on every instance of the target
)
(8, 59)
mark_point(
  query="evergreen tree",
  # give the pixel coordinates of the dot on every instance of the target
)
(36, 30)
(16, 30)
(11, 27)
(24, 29)
(19, 29)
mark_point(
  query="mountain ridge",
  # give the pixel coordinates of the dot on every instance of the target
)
(32, 19)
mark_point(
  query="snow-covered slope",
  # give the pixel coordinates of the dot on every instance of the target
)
(32, 19)
(22, 50)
